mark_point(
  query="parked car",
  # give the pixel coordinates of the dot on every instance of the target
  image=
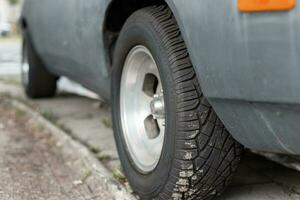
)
(5, 28)
(190, 82)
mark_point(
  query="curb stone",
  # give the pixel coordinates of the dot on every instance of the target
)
(65, 141)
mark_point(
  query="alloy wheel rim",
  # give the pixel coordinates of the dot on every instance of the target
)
(142, 109)
(25, 69)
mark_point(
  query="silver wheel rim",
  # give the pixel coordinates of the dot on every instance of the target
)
(142, 109)
(25, 69)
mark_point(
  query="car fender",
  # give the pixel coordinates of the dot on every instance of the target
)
(248, 68)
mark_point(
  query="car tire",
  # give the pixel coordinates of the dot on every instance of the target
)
(37, 81)
(198, 156)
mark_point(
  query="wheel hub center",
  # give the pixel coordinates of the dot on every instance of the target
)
(157, 107)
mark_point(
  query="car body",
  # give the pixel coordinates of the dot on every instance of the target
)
(248, 64)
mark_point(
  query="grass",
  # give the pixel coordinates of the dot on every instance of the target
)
(11, 38)
(5, 95)
(86, 173)
(20, 113)
(95, 150)
(107, 123)
(65, 129)
(50, 116)
(103, 157)
(118, 174)
(10, 81)
(53, 118)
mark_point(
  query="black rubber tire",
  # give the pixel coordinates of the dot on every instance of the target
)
(41, 83)
(199, 156)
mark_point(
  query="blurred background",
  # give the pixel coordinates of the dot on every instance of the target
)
(10, 38)
(9, 15)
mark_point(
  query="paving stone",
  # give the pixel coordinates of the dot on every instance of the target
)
(258, 192)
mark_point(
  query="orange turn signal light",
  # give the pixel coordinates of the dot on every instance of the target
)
(265, 5)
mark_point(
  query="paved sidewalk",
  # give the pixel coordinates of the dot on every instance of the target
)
(10, 56)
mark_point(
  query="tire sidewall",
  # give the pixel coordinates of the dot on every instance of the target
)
(143, 33)
(29, 54)
(24, 59)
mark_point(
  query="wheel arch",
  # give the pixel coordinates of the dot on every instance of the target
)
(110, 36)
(113, 22)
(23, 23)
(115, 17)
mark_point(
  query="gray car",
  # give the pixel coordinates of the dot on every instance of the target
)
(190, 82)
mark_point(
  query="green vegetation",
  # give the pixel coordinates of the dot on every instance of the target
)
(20, 113)
(14, 2)
(95, 150)
(118, 174)
(107, 123)
(10, 80)
(103, 157)
(87, 173)
(11, 38)
(50, 116)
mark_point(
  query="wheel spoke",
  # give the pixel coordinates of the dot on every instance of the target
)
(144, 103)
(25, 71)
(161, 125)
(152, 127)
